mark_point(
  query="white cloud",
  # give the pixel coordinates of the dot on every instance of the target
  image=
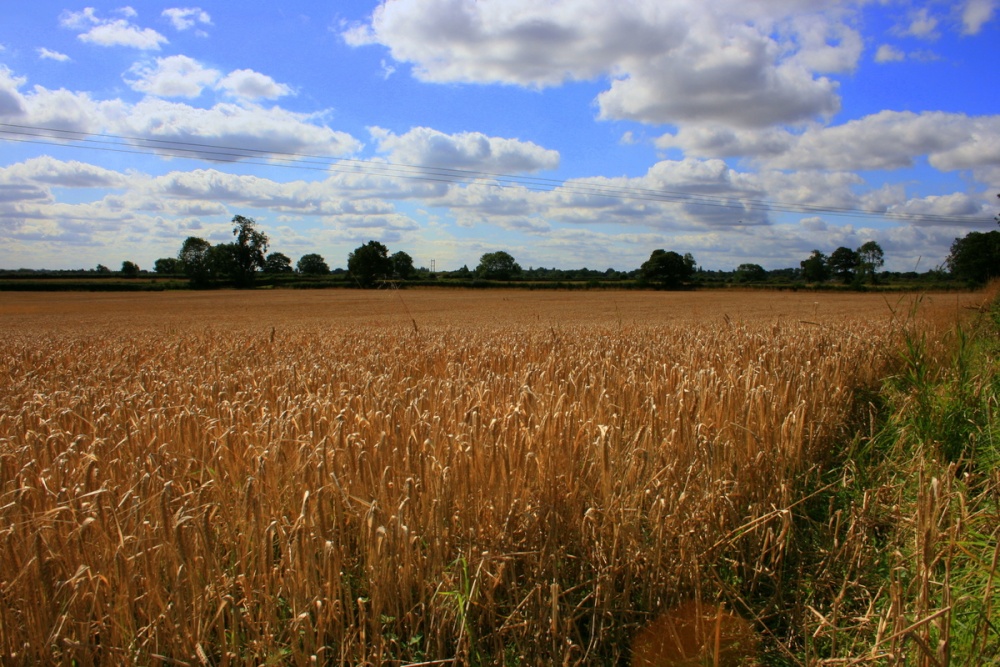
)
(48, 54)
(72, 174)
(957, 205)
(894, 139)
(813, 224)
(889, 54)
(475, 151)
(668, 62)
(56, 109)
(81, 20)
(187, 17)
(245, 125)
(248, 127)
(250, 85)
(975, 14)
(174, 76)
(112, 32)
(708, 141)
(11, 101)
(826, 46)
(922, 25)
(181, 76)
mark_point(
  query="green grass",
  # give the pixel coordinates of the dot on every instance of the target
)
(898, 556)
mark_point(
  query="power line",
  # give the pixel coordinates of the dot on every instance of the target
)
(209, 152)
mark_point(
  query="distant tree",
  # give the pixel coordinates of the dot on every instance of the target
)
(312, 264)
(130, 269)
(102, 269)
(168, 266)
(815, 269)
(667, 268)
(277, 262)
(463, 272)
(498, 265)
(750, 273)
(975, 257)
(223, 263)
(402, 265)
(843, 262)
(870, 260)
(369, 263)
(193, 258)
(248, 251)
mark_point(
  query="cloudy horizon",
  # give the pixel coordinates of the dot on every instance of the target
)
(570, 133)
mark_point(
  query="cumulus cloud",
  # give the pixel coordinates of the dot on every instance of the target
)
(112, 32)
(975, 14)
(475, 151)
(887, 140)
(957, 205)
(889, 54)
(708, 141)
(323, 198)
(746, 64)
(673, 194)
(826, 46)
(49, 54)
(11, 101)
(174, 76)
(813, 224)
(181, 76)
(894, 139)
(185, 18)
(54, 109)
(250, 127)
(921, 24)
(250, 85)
(72, 174)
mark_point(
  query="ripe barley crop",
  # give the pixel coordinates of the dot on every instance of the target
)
(506, 482)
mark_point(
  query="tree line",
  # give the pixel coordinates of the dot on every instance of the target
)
(973, 259)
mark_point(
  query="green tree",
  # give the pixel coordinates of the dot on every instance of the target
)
(130, 269)
(277, 262)
(750, 273)
(870, 260)
(667, 268)
(814, 269)
(369, 263)
(498, 265)
(102, 269)
(248, 251)
(312, 264)
(223, 263)
(168, 266)
(193, 258)
(402, 265)
(975, 257)
(843, 262)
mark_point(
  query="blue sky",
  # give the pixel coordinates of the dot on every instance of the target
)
(569, 133)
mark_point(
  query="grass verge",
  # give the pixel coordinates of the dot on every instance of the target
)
(899, 557)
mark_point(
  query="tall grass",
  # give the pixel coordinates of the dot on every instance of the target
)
(910, 552)
(346, 495)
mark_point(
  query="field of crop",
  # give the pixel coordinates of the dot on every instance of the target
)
(427, 477)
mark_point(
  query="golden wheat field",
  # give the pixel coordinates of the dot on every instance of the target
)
(410, 477)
